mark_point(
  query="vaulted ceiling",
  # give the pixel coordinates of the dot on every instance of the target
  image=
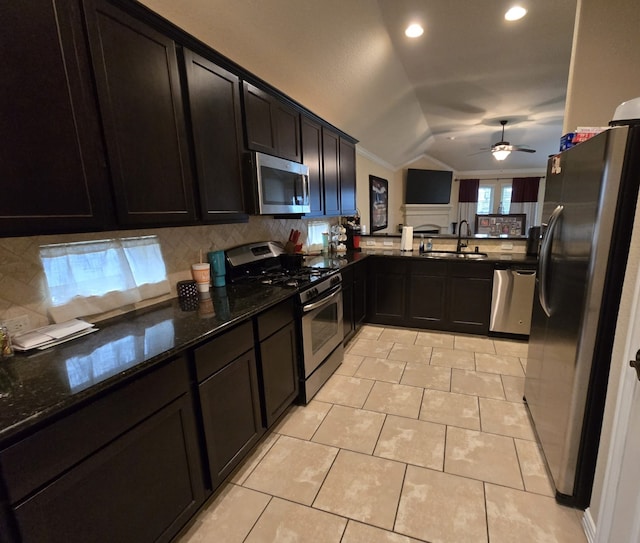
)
(441, 95)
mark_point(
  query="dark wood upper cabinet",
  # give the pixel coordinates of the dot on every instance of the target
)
(53, 175)
(216, 121)
(311, 133)
(331, 170)
(138, 83)
(271, 126)
(347, 177)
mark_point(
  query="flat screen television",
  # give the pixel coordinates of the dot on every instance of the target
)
(428, 187)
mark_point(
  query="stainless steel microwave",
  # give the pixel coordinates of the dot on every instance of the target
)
(277, 186)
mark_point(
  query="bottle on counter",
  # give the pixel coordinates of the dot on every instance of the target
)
(6, 349)
(421, 248)
(429, 244)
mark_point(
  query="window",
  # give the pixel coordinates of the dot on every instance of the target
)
(505, 199)
(485, 199)
(494, 197)
(93, 277)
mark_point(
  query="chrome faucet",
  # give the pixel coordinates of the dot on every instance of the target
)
(462, 244)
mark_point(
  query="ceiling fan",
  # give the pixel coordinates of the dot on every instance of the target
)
(502, 149)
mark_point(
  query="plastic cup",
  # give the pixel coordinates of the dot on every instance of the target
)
(200, 273)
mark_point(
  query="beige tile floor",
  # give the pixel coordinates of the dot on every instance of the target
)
(417, 437)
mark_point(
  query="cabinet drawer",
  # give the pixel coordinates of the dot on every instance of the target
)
(275, 318)
(429, 267)
(218, 352)
(42, 456)
(479, 270)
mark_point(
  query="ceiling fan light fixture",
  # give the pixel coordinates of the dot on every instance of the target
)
(500, 154)
(414, 30)
(515, 13)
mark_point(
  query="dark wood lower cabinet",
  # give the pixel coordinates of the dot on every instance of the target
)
(431, 294)
(124, 467)
(138, 488)
(354, 296)
(387, 294)
(426, 299)
(278, 360)
(279, 371)
(230, 405)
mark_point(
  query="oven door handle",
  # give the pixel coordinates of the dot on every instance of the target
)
(320, 303)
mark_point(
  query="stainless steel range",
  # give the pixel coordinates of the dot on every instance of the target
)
(319, 301)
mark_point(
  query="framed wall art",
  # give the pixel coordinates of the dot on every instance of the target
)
(378, 202)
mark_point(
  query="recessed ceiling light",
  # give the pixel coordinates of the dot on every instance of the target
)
(515, 13)
(414, 30)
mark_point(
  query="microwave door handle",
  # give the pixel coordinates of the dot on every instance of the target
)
(305, 189)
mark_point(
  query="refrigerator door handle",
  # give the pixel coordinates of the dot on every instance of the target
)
(545, 257)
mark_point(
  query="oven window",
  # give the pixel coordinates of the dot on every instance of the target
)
(324, 327)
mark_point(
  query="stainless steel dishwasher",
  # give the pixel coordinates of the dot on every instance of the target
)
(512, 300)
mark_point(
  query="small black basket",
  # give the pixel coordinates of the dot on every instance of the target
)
(187, 289)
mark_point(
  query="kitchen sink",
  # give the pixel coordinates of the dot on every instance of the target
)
(453, 254)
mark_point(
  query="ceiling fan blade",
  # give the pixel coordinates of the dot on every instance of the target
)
(523, 149)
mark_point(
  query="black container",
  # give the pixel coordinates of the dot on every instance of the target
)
(533, 241)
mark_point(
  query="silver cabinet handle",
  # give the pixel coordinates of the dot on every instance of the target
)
(545, 257)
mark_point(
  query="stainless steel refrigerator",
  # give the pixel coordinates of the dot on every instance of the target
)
(589, 208)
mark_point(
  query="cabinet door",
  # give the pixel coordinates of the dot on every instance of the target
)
(258, 117)
(53, 175)
(469, 304)
(359, 293)
(271, 126)
(311, 133)
(331, 171)
(230, 405)
(142, 487)
(426, 295)
(347, 177)
(287, 122)
(388, 280)
(137, 76)
(216, 120)
(348, 322)
(279, 369)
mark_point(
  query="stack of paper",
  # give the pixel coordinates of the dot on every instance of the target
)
(53, 334)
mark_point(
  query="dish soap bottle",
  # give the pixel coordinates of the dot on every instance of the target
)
(429, 244)
(421, 248)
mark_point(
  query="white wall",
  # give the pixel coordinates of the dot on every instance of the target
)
(367, 165)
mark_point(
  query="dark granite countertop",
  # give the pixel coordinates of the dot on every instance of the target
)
(516, 258)
(40, 384)
(37, 385)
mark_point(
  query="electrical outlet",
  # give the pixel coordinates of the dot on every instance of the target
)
(507, 246)
(371, 242)
(17, 325)
(387, 243)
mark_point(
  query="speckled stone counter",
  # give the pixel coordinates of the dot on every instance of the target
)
(516, 258)
(37, 385)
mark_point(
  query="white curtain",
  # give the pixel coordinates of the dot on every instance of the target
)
(467, 211)
(89, 278)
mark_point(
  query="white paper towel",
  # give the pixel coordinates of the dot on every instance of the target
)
(406, 242)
